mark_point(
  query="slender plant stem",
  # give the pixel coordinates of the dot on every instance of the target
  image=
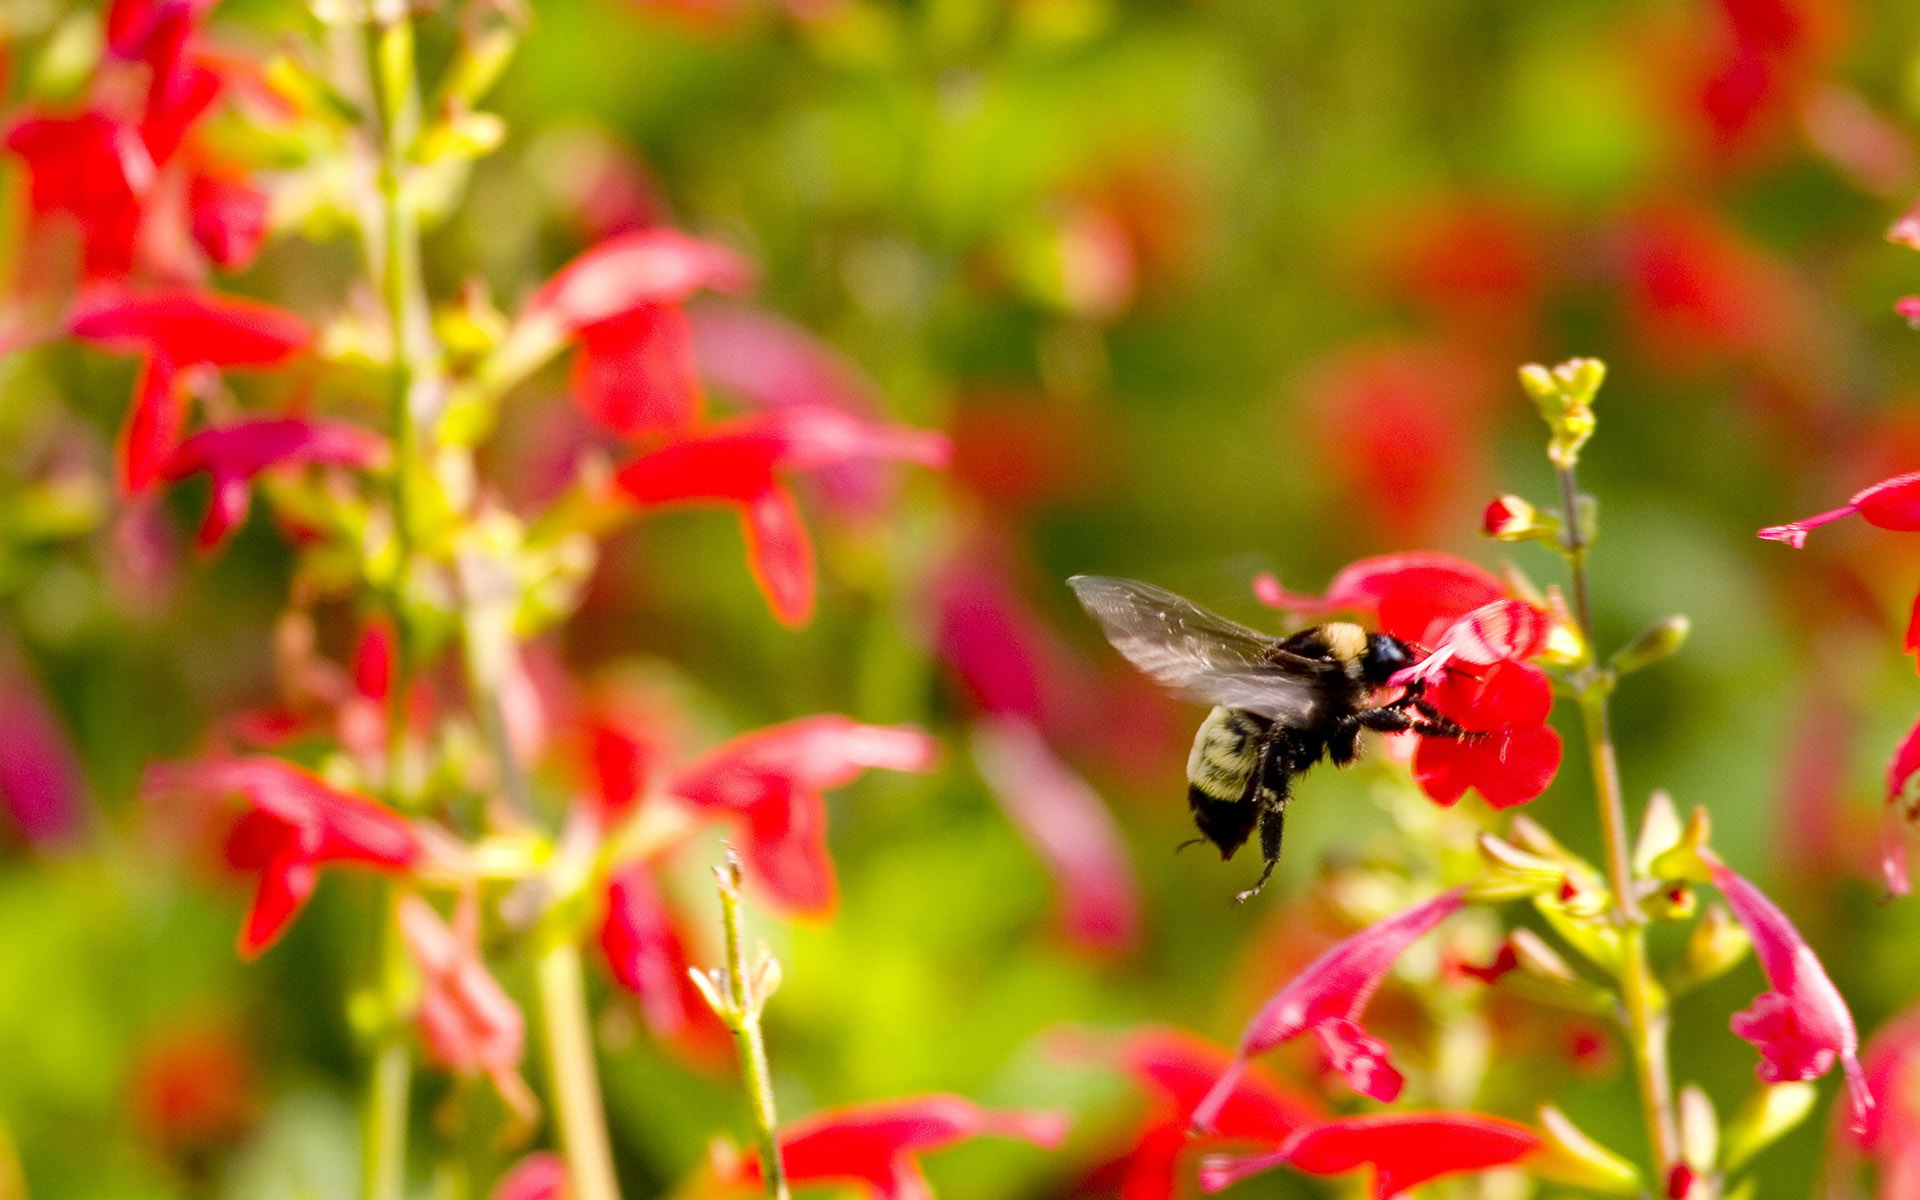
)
(744, 1000)
(574, 1079)
(385, 1133)
(1645, 1010)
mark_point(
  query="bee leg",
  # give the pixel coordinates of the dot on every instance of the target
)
(1273, 817)
(1392, 718)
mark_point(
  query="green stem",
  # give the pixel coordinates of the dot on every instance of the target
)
(1644, 1007)
(385, 1133)
(571, 1072)
(743, 1020)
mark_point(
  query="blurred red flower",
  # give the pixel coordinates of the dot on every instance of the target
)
(41, 783)
(296, 823)
(1414, 596)
(1327, 998)
(737, 463)
(1901, 809)
(771, 782)
(1891, 1133)
(1803, 1025)
(539, 1176)
(647, 956)
(467, 1022)
(875, 1146)
(176, 330)
(621, 300)
(1179, 1069)
(1405, 1149)
(192, 1089)
(234, 454)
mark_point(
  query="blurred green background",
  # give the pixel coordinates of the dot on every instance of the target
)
(1201, 289)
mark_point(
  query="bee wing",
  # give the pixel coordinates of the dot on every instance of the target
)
(1200, 655)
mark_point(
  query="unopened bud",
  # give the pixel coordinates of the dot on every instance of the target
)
(1699, 1129)
(1509, 518)
(1569, 1155)
(1659, 829)
(1539, 959)
(1686, 859)
(1673, 901)
(1508, 872)
(1716, 946)
(1767, 1115)
(1587, 928)
(1564, 396)
(1650, 645)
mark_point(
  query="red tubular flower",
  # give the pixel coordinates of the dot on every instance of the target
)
(234, 454)
(1413, 596)
(1326, 1000)
(41, 785)
(1890, 504)
(621, 299)
(94, 169)
(1511, 754)
(1068, 825)
(467, 1022)
(873, 1146)
(1503, 629)
(647, 956)
(1404, 1149)
(1802, 1025)
(1179, 1070)
(1900, 810)
(177, 330)
(737, 463)
(229, 218)
(297, 823)
(772, 781)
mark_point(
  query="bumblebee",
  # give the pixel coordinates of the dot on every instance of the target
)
(1280, 705)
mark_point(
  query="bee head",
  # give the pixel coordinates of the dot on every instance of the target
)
(1384, 655)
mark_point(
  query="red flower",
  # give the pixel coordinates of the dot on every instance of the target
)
(1327, 999)
(621, 299)
(1404, 1149)
(1890, 504)
(229, 218)
(541, 1176)
(1413, 596)
(1901, 805)
(772, 781)
(1501, 630)
(467, 1022)
(234, 454)
(737, 462)
(647, 956)
(94, 169)
(1179, 1070)
(1802, 1025)
(41, 784)
(177, 330)
(1068, 825)
(874, 1146)
(192, 1089)
(297, 823)
(1511, 754)
(1892, 1130)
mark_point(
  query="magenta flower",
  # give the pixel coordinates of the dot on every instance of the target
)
(1890, 504)
(296, 824)
(738, 463)
(467, 1022)
(538, 1176)
(622, 301)
(1326, 1000)
(41, 784)
(1405, 1149)
(771, 782)
(1802, 1025)
(177, 330)
(1068, 826)
(873, 1146)
(234, 454)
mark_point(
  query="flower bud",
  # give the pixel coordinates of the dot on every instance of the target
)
(1583, 923)
(1660, 829)
(1569, 1155)
(1683, 860)
(1564, 396)
(1699, 1129)
(1770, 1112)
(1716, 946)
(1509, 518)
(1508, 872)
(1672, 901)
(1650, 645)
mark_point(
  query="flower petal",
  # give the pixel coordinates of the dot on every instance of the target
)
(192, 327)
(648, 266)
(1405, 1149)
(635, 372)
(780, 555)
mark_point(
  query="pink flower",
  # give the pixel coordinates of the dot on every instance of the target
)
(1405, 1149)
(1068, 825)
(1179, 1069)
(296, 824)
(621, 300)
(539, 1176)
(177, 330)
(1890, 504)
(874, 1146)
(771, 782)
(1512, 753)
(737, 463)
(234, 454)
(1327, 999)
(41, 785)
(1901, 805)
(467, 1022)
(1802, 1025)
(1413, 596)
